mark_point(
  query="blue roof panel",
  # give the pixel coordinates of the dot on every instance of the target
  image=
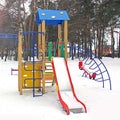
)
(52, 17)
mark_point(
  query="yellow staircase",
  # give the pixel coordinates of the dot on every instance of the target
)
(48, 76)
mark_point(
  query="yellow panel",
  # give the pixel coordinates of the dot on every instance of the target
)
(27, 74)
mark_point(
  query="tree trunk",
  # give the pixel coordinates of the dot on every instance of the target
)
(112, 41)
(119, 47)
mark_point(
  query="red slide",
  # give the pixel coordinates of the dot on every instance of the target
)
(65, 88)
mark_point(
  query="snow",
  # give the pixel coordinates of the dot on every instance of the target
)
(101, 103)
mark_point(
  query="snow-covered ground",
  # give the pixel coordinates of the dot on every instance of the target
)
(101, 103)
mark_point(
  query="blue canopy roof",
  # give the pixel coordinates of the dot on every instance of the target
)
(52, 17)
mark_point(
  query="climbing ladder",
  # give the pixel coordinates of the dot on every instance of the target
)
(32, 70)
(33, 75)
(95, 65)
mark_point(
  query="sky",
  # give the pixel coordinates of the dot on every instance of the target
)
(101, 103)
(2, 2)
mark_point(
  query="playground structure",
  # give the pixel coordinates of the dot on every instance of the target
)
(65, 87)
(95, 66)
(34, 74)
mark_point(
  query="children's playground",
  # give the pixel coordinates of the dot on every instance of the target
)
(48, 63)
